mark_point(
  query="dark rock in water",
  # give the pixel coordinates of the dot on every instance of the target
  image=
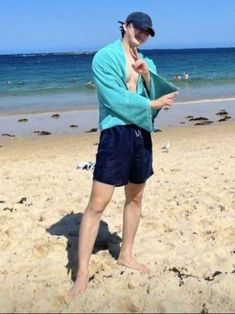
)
(221, 113)
(55, 116)
(224, 119)
(198, 119)
(7, 134)
(189, 117)
(92, 130)
(73, 126)
(23, 120)
(42, 132)
(206, 122)
(182, 122)
(157, 130)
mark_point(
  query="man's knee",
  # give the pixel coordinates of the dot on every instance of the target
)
(134, 193)
(100, 196)
(97, 205)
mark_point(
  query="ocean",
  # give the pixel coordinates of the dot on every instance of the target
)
(32, 83)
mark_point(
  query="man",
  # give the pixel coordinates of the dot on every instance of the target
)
(125, 83)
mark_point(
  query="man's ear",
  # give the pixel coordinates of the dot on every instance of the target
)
(125, 26)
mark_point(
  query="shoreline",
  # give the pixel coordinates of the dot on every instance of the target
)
(72, 122)
(89, 107)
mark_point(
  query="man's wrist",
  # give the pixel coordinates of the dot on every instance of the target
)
(146, 76)
(147, 79)
(155, 104)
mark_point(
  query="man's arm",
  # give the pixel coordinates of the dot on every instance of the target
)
(114, 95)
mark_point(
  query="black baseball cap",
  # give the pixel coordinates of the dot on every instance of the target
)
(141, 20)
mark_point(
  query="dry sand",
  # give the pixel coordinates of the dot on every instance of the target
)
(186, 234)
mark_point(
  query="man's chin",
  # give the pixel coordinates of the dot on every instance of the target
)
(139, 41)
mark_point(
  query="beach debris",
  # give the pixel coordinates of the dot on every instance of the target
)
(132, 284)
(73, 126)
(166, 147)
(92, 130)
(211, 278)
(222, 208)
(181, 275)
(42, 132)
(41, 219)
(2, 202)
(157, 130)
(22, 200)
(8, 134)
(206, 122)
(202, 120)
(86, 165)
(222, 113)
(23, 120)
(204, 309)
(55, 115)
(224, 118)
(10, 209)
(198, 119)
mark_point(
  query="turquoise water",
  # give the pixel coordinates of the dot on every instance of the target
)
(46, 82)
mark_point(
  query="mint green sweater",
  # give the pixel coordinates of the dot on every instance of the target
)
(118, 105)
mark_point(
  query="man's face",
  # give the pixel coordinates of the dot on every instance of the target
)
(136, 35)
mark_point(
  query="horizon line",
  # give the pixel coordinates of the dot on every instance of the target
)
(94, 51)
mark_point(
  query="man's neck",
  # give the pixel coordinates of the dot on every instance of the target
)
(127, 46)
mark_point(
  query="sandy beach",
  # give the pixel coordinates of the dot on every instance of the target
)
(186, 234)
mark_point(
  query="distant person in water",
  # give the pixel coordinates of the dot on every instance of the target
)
(186, 76)
(177, 77)
(90, 84)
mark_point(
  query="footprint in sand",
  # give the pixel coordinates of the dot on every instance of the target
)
(4, 241)
(40, 250)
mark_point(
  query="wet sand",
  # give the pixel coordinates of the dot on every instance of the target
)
(79, 121)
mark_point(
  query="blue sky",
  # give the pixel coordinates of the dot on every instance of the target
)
(76, 25)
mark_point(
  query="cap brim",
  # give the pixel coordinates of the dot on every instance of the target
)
(144, 26)
(150, 29)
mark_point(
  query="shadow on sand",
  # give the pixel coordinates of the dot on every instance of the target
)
(69, 226)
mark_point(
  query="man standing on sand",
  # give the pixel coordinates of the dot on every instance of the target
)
(125, 83)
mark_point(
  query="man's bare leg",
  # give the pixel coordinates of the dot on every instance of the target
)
(100, 196)
(131, 218)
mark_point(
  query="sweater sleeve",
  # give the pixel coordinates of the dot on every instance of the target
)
(152, 88)
(158, 85)
(114, 95)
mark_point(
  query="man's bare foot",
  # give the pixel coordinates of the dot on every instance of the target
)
(79, 287)
(133, 264)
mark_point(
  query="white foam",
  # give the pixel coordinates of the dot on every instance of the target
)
(200, 101)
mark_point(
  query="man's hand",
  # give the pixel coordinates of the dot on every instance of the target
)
(164, 101)
(139, 66)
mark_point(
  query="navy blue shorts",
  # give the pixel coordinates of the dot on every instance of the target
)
(124, 155)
